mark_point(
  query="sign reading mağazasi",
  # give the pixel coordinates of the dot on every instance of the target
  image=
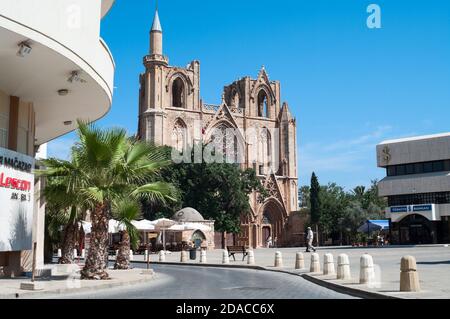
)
(16, 200)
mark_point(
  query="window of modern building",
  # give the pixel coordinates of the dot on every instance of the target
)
(410, 169)
(428, 167)
(418, 168)
(401, 169)
(420, 199)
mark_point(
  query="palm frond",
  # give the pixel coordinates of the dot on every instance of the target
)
(158, 192)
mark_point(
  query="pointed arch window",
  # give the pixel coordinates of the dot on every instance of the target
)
(179, 136)
(178, 93)
(235, 101)
(265, 151)
(226, 141)
(263, 104)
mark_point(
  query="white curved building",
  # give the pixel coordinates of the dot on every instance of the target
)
(54, 69)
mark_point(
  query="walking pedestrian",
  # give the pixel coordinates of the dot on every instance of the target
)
(269, 241)
(309, 238)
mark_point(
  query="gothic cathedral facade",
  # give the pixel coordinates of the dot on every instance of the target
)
(171, 112)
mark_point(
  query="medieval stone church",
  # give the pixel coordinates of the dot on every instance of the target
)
(172, 113)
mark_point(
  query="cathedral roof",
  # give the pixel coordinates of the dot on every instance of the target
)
(156, 23)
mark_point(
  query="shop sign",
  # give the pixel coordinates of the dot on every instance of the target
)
(16, 200)
(411, 208)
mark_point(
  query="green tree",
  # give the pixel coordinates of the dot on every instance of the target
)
(126, 210)
(109, 166)
(304, 197)
(333, 201)
(64, 210)
(315, 199)
(220, 191)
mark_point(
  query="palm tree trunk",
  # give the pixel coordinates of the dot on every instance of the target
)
(123, 256)
(68, 244)
(96, 261)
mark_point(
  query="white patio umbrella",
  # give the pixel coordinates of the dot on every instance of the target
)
(198, 226)
(144, 225)
(163, 224)
(189, 226)
(114, 226)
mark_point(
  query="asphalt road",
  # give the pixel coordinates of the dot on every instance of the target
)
(184, 282)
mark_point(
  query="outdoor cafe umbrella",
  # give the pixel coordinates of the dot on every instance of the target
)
(190, 226)
(143, 225)
(163, 224)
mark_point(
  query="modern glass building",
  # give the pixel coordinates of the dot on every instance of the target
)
(417, 186)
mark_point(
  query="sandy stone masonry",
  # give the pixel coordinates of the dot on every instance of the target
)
(172, 113)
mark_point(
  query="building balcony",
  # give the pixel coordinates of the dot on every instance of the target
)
(64, 37)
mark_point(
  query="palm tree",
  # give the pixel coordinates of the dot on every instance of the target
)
(125, 211)
(110, 166)
(63, 211)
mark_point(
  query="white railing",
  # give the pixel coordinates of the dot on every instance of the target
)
(214, 108)
(211, 107)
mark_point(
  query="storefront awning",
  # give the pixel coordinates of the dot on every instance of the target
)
(374, 225)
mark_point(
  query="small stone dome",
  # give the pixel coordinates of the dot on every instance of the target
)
(188, 214)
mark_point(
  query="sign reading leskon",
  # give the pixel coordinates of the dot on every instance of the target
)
(16, 200)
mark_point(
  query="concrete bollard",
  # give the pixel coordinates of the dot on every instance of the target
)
(328, 265)
(315, 263)
(225, 257)
(343, 268)
(367, 271)
(184, 256)
(59, 253)
(251, 257)
(203, 256)
(278, 259)
(162, 256)
(131, 255)
(409, 277)
(299, 261)
(75, 253)
(83, 253)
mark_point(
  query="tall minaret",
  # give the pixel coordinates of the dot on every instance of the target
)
(156, 36)
(153, 96)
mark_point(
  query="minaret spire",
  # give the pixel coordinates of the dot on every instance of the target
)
(156, 26)
(156, 36)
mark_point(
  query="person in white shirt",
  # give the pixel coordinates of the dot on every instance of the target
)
(310, 238)
(269, 242)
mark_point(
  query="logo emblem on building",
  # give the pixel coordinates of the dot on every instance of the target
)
(386, 154)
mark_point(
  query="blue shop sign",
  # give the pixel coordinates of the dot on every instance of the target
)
(399, 209)
(422, 208)
(411, 208)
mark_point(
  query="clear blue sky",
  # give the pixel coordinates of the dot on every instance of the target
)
(350, 87)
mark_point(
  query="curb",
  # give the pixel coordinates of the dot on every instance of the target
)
(347, 290)
(354, 292)
(146, 278)
(254, 267)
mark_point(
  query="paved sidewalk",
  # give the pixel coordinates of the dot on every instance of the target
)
(433, 264)
(10, 288)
